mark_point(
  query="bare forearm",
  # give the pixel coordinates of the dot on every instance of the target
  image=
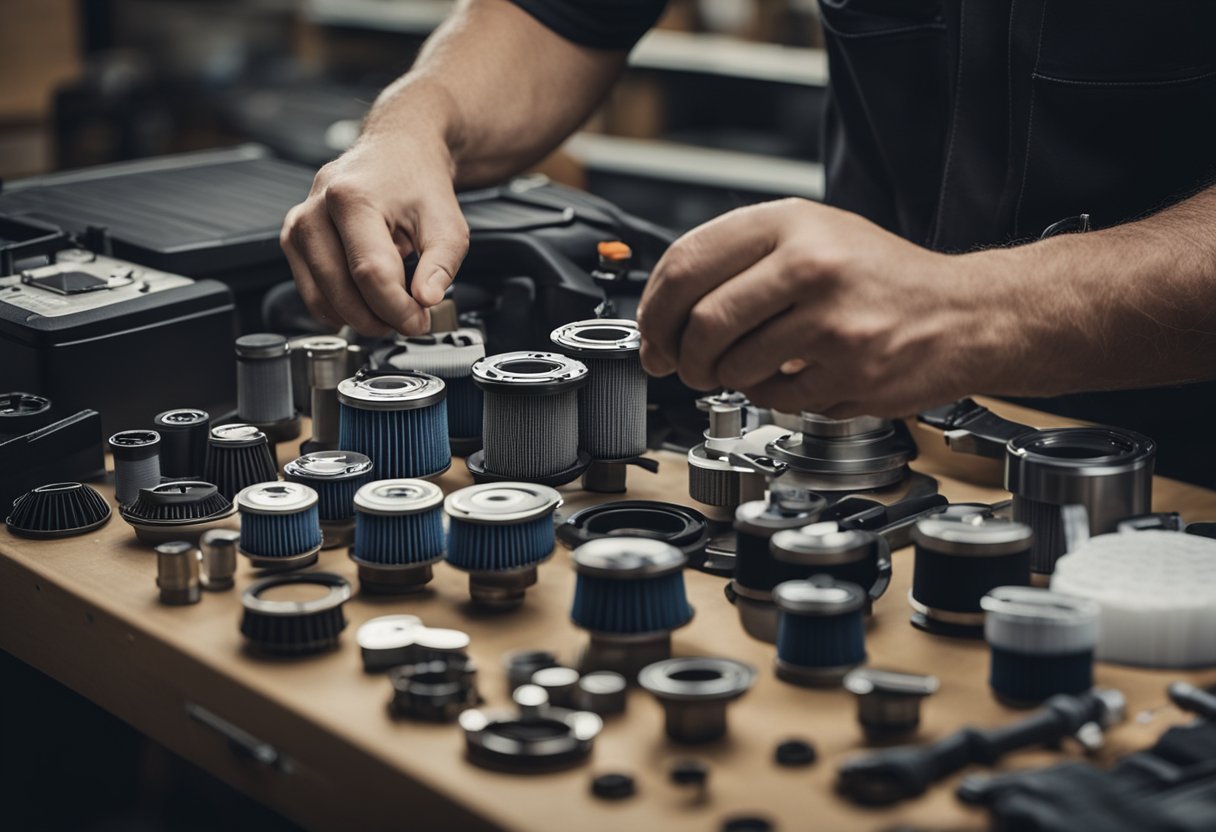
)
(1129, 306)
(497, 87)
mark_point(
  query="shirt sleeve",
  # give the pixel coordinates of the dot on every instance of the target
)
(600, 24)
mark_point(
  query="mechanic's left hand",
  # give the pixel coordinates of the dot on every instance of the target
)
(806, 307)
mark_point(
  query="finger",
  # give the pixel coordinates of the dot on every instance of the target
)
(373, 261)
(317, 241)
(694, 265)
(809, 390)
(442, 240)
(785, 339)
(729, 313)
(306, 285)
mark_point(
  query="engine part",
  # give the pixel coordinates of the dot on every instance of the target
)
(958, 561)
(691, 774)
(536, 738)
(263, 385)
(1109, 471)
(859, 557)
(613, 786)
(238, 456)
(439, 643)
(291, 626)
(856, 454)
(1157, 594)
(177, 573)
(888, 703)
(1042, 643)
(178, 511)
(559, 683)
(679, 526)
(530, 424)
(279, 525)
(61, 509)
(335, 476)
(450, 356)
(218, 562)
(756, 570)
(694, 693)
(438, 690)
(500, 533)
(821, 632)
(612, 404)
(71, 449)
(387, 641)
(398, 535)
(896, 774)
(183, 442)
(325, 367)
(713, 479)
(400, 421)
(629, 595)
(521, 664)
(136, 463)
(794, 754)
(602, 692)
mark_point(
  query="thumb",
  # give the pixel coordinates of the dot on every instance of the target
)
(442, 241)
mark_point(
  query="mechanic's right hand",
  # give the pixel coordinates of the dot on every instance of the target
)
(367, 210)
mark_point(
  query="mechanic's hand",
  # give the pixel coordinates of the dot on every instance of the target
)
(806, 307)
(368, 209)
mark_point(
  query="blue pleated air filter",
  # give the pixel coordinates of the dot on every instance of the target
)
(280, 525)
(499, 533)
(450, 356)
(335, 476)
(821, 630)
(238, 456)
(398, 534)
(398, 420)
(612, 405)
(1042, 643)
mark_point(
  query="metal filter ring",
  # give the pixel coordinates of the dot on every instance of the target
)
(395, 391)
(398, 497)
(529, 373)
(329, 466)
(276, 498)
(627, 558)
(682, 527)
(599, 338)
(497, 503)
(236, 435)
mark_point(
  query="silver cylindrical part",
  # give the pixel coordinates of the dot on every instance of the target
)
(327, 367)
(219, 548)
(177, 573)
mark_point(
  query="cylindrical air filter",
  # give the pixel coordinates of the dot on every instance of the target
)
(283, 614)
(821, 634)
(136, 462)
(853, 555)
(1157, 594)
(60, 509)
(530, 427)
(1042, 643)
(499, 533)
(1107, 470)
(756, 570)
(398, 534)
(280, 527)
(335, 476)
(263, 379)
(612, 405)
(183, 442)
(324, 368)
(238, 456)
(177, 573)
(629, 595)
(180, 510)
(450, 356)
(400, 421)
(958, 562)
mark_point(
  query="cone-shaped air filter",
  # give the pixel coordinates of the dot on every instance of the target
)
(238, 456)
(612, 405)
(178, 511)
(335, 476)
(499, 533)
(61, 509)
(183, 442)
(280, 528)
(276, 622)
(399, 421)
(821, 631)
(398, 534)
(450, 356)
(530, 429)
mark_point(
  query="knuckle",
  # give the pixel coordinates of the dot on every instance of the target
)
(342, 194)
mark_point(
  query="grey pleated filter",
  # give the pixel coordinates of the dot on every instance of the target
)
(530, 427)
(450, 356)
(612, 405)
(263, 379)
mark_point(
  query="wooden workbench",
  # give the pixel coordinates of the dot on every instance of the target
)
(85, 611)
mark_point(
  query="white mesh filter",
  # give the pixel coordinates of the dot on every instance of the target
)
(445, 362)
(612, 408)
(1157, 591)
(264, 390)
(527, 437)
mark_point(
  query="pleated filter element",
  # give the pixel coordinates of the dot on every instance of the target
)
(1157, 595)
(450, 356)
(612, 405)
(335, 476)
(238, 456)
(136, 462)
(178, 511)
(60, 509)
(530, 429)
(280, 526)
(399, 420)
(398, 534)
(263, 377)
(275, 621)
(821, 630)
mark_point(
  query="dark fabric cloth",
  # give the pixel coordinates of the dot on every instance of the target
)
(601, 24)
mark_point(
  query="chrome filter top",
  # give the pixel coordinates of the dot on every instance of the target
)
(403, 391)
(398, 497)
(598, 338)
(864, 452)
(502, 503)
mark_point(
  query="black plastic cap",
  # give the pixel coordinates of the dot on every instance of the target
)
(795, 753)
(613, 786)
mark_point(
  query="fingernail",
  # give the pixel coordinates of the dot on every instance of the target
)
(793, 366)
(438, 282)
